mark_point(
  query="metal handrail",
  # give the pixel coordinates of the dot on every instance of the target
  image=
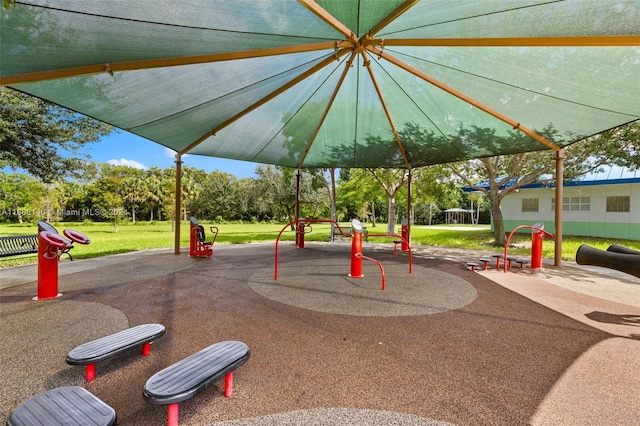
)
(506, 245)
(405, 241)
(296, 222)
(362, 256)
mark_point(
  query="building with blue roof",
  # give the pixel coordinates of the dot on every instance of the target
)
(605, 203)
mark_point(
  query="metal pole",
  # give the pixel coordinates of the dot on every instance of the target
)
(560, 156)
(178, 202)
(409, 207)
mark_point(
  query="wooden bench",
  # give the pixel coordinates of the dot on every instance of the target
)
(189, 376)
(14, 245)
(103, 348)
(69, 405)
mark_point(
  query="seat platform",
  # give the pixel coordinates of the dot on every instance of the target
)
(69, 405)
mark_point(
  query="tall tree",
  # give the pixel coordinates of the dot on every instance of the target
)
(498, 176)
(391, 180)
(34, 135)
(21, 197)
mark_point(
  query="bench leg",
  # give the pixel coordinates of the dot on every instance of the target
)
(146, 349)
(228, 384)
(172, 415)
(90, 372)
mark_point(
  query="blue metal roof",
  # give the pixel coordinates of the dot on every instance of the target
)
(606, 175)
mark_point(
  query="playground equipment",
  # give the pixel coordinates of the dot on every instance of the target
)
(626, 262)
(51, 246)
(404, 232)
(302, 228)
(617, 248)
(537, 236)
(198, 246)
(356, 245)
(356, 249)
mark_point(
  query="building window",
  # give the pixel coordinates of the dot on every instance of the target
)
(529, 204)
(619, 204)
(573, 204)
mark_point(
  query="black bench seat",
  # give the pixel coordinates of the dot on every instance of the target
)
(69, 405)
(14, 245)
(105, 347)
(187, 377)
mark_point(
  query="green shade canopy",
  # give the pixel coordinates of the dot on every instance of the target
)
(334, 83)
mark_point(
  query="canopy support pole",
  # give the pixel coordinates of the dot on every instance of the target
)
(409, 207)
(176, 214)
(560, 156)
(297, 213)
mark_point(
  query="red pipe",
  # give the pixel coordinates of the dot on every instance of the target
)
(362, 256)
(228, 384)
(506, 245)
(296, 221)
(172, 415)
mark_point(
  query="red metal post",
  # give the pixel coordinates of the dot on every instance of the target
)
(356, 248)
(146, 349)
(405, 235)
(47, 269)
(90, 372)
(228, 384)
(192, 238)
(536, 247)
(172, 415)
(300, 234)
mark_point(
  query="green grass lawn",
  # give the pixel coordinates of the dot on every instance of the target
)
(148, 235)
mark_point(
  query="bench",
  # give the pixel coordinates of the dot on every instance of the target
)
(472, 265)
(337, 233)
(106, 347)
(485, 263)
(15, 245)
(69, 405)
(187, 377)
(521, 262)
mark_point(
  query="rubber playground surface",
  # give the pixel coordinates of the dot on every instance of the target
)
(441, 345)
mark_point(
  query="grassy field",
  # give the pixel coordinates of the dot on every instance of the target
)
(147, 235)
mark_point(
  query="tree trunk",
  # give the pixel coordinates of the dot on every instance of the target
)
(332, 197)
(391, 221)
(498, 224)
(373, 214)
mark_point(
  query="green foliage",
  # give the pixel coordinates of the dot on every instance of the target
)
(34, 135)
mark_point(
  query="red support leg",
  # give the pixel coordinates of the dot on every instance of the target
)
(172, 415)
(146, 349)
(90, 372)
(228, 384)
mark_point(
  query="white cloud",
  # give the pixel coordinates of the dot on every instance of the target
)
(129, 163)
(172, 154)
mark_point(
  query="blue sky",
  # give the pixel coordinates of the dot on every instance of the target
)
(128, 149)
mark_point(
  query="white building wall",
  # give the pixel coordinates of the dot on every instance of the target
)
(594, 222)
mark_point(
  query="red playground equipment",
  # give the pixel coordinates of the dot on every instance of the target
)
(356, 235)
(51, 246)
(537, 236)
(198, 246)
